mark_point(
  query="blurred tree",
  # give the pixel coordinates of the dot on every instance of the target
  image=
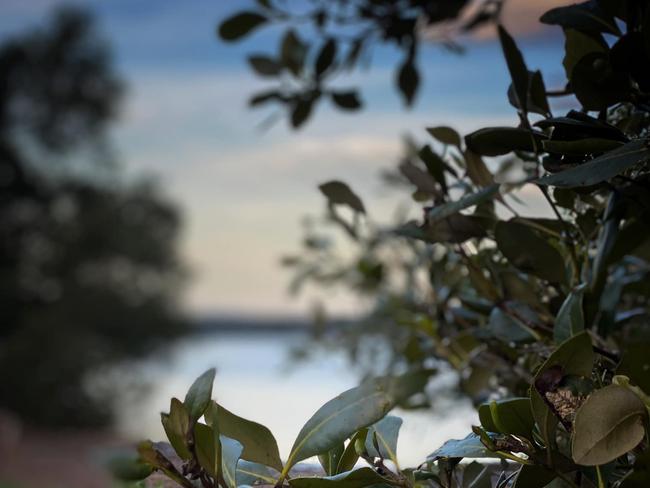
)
(88, 265)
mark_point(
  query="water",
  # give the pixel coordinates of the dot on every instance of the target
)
(257, 380)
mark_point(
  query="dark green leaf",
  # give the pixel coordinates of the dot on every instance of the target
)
(350, 456)
(609, 424)
(533, 477)
(384, 433)
(516, 67)
(339, 193)
(444, 210)
(177, 428)
(587, 16)
(570, 318)
(347, 100)
(601, 168)
(240, 25)
(513, 416)
(258, 442)
(206, 449)
(128, 468)
(301, 111)
(577, 45)
(445, 134)
(293, 52)
(408, 80)
(250, 473)
(469, 447)
(581, 147)
(529, 252)
(325, 57)
(497, 141)
(265, 66)
(359, 478)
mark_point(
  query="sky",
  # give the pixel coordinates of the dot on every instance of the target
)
(243, 191)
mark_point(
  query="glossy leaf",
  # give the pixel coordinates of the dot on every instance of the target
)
(497, 141)
(513, 416)
(608, 424)
(230, 453)
(249, 473)
(384, 433)
(354, 409)
(469, 447)
(350, 456)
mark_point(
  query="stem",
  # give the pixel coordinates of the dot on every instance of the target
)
(601, 482)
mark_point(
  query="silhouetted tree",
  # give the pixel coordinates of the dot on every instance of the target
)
(88, 267)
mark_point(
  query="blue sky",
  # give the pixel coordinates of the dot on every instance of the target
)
(243, 191)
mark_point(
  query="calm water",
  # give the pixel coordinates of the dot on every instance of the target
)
(257, 380)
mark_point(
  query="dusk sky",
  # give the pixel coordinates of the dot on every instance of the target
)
(242, 190)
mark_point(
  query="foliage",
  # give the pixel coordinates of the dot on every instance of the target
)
(545, 319)
(345, 32)
(88, 263)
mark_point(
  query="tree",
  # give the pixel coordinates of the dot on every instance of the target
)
(545, 320)
(88, 266)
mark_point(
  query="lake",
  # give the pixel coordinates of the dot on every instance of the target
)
(257, 379)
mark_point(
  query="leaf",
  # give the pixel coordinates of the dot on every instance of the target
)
(469, 447)
(601, 168)
(293, 52)
(199, 395)
(436, 166)
(609, 424)
(301, 111)
(537, 101)
(177, 428)
(265, 66)
(230, 453)
(590, 145)
(339, 193)
(325, 57)
(587, 16)
(258, 442)
(422, 180)
(507, 328)
(516, 67)
(150, 455)
(497, 141)
(385, 432)
(351, 411)
(240, 25)
(635, 363)
(128, 468)
(408, 80)
(330, 459)
(533, 477)
(249, 473)
(570, 318)
(359, 478)
(444, 210)
(347, 100)
(529, 252)
(350, 456)
(513, 416)
(477, 171)
(206, 448)
(445, 134)
(577, 45)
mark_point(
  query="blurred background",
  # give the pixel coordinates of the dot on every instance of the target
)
(145, 211)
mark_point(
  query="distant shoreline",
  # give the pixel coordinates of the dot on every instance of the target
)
(256, 324)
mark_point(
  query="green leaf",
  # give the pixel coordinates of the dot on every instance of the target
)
(250, 473)
(445, 134)
(436, 166)
(325, 57)
(177, 428)
(150, 455)
(497, 141)
(265, 66)
(240, 25)
(422, 180)
(589, 145)
(529, 252)
(469, 447)
(199, 395)
(330, 459)
(587, 16)
(206, 448)
(516, 67)
(477, 171)
(347, 100)
(128, 468)
(577, 45)
(408, 80)
(609, 424)
(350, 456)
(537, 101)
(359, 478)
(339, 193)
(601, 168)
(258, 442)
(351, 411)
(444, 210)
(385, 433)
(513, 416)
(570, 318)
(293, 52)
(230, 453)
(301, 111)
(507, 328)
